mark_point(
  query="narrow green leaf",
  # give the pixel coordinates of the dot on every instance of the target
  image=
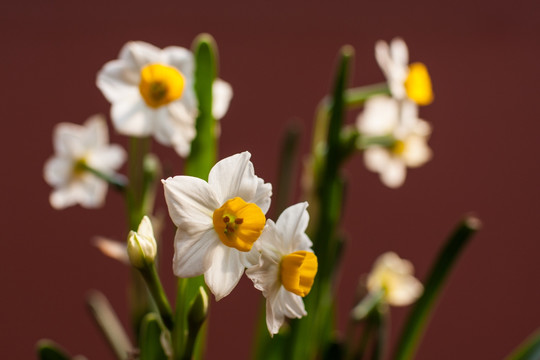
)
(287, 163)
(419, 315)
(150, 339)
(204, 147)
(49, 350)
(109, 324)
(529, 349)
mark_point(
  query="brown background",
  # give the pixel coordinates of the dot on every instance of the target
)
(483, 58)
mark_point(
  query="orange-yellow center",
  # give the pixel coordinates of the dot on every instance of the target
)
(160, 84)
(238, 223)
(298, 272)
(418, 84)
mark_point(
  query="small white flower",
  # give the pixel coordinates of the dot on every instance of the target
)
(151, 92)
(218, 222)
(386, 116)
(142, 245)
(395, 277)
(77, 146)
(405, 81)
(286, 268)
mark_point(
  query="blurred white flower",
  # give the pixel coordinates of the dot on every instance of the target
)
(287, 266)
(386, 116)
(77, 147)
(151, 92)
(405, 81)
(218, 222)
(395, 277)
(112, 248)
(141, 245)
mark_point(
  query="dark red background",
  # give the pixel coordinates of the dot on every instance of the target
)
(279, 56)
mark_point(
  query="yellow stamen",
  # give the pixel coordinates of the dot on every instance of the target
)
(418, 84)
(298, 271)
(160, 84)
(79, 168)
(239, 224)
(398, 147)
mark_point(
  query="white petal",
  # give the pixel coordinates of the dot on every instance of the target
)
(280, 305)
(67, 140)
(95, 132)
(180, 58)
(399, 52)
(132, 117)
(107, 159)
(113, 249)
(193, 253)
(221, 97)
(376, 158)
(263, 195)
(393, 174)
(291, 226)
(234, 176)
(406, 293)
(145, 227)
(225, 271)
(62, 198)
(182, 124)
(191, 203)
(58, 171)
(138, 54)
(417, 152)
(380, 116)
(382, 55)
(92, 191)
(117, 80)
(265, 274)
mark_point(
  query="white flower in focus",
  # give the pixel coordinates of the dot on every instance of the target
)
(141, 245)
(395, 277)
(151, 92)
(287, 266)
(77, 146)
(218, 222)
(405, 81)
(386, 116)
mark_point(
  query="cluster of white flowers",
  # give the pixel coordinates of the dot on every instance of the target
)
(222, 230)
(397, 116)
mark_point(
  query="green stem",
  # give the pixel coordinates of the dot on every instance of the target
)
(528, 350)
(119, 182)
(419, 315)
(153, 282)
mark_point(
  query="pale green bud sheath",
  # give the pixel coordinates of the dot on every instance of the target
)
(198, 312)
(142, 249)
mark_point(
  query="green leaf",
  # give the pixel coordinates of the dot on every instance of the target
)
(287, 166)
(109, 324)
(204, 147)
(150, 339)
(529, 349)
(48, 350)
(419, 315)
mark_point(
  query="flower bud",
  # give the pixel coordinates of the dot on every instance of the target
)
(142, 247)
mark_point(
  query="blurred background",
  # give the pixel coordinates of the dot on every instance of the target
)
(279, 57)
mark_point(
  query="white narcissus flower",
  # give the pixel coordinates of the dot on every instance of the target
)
(142, 245)
(151, 92)
(287, 266)
(395, 277)
(405, 81)
(77, 147)
(386, 116)
(218, 222)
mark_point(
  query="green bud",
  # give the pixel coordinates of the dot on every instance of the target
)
(198, 310)
(141, 245)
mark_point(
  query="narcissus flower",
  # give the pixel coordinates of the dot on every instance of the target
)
(287, 266)
(77, 148)
(405, 81)
(386, 116)
(394, 276)
(151, 92)
(218, 222)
